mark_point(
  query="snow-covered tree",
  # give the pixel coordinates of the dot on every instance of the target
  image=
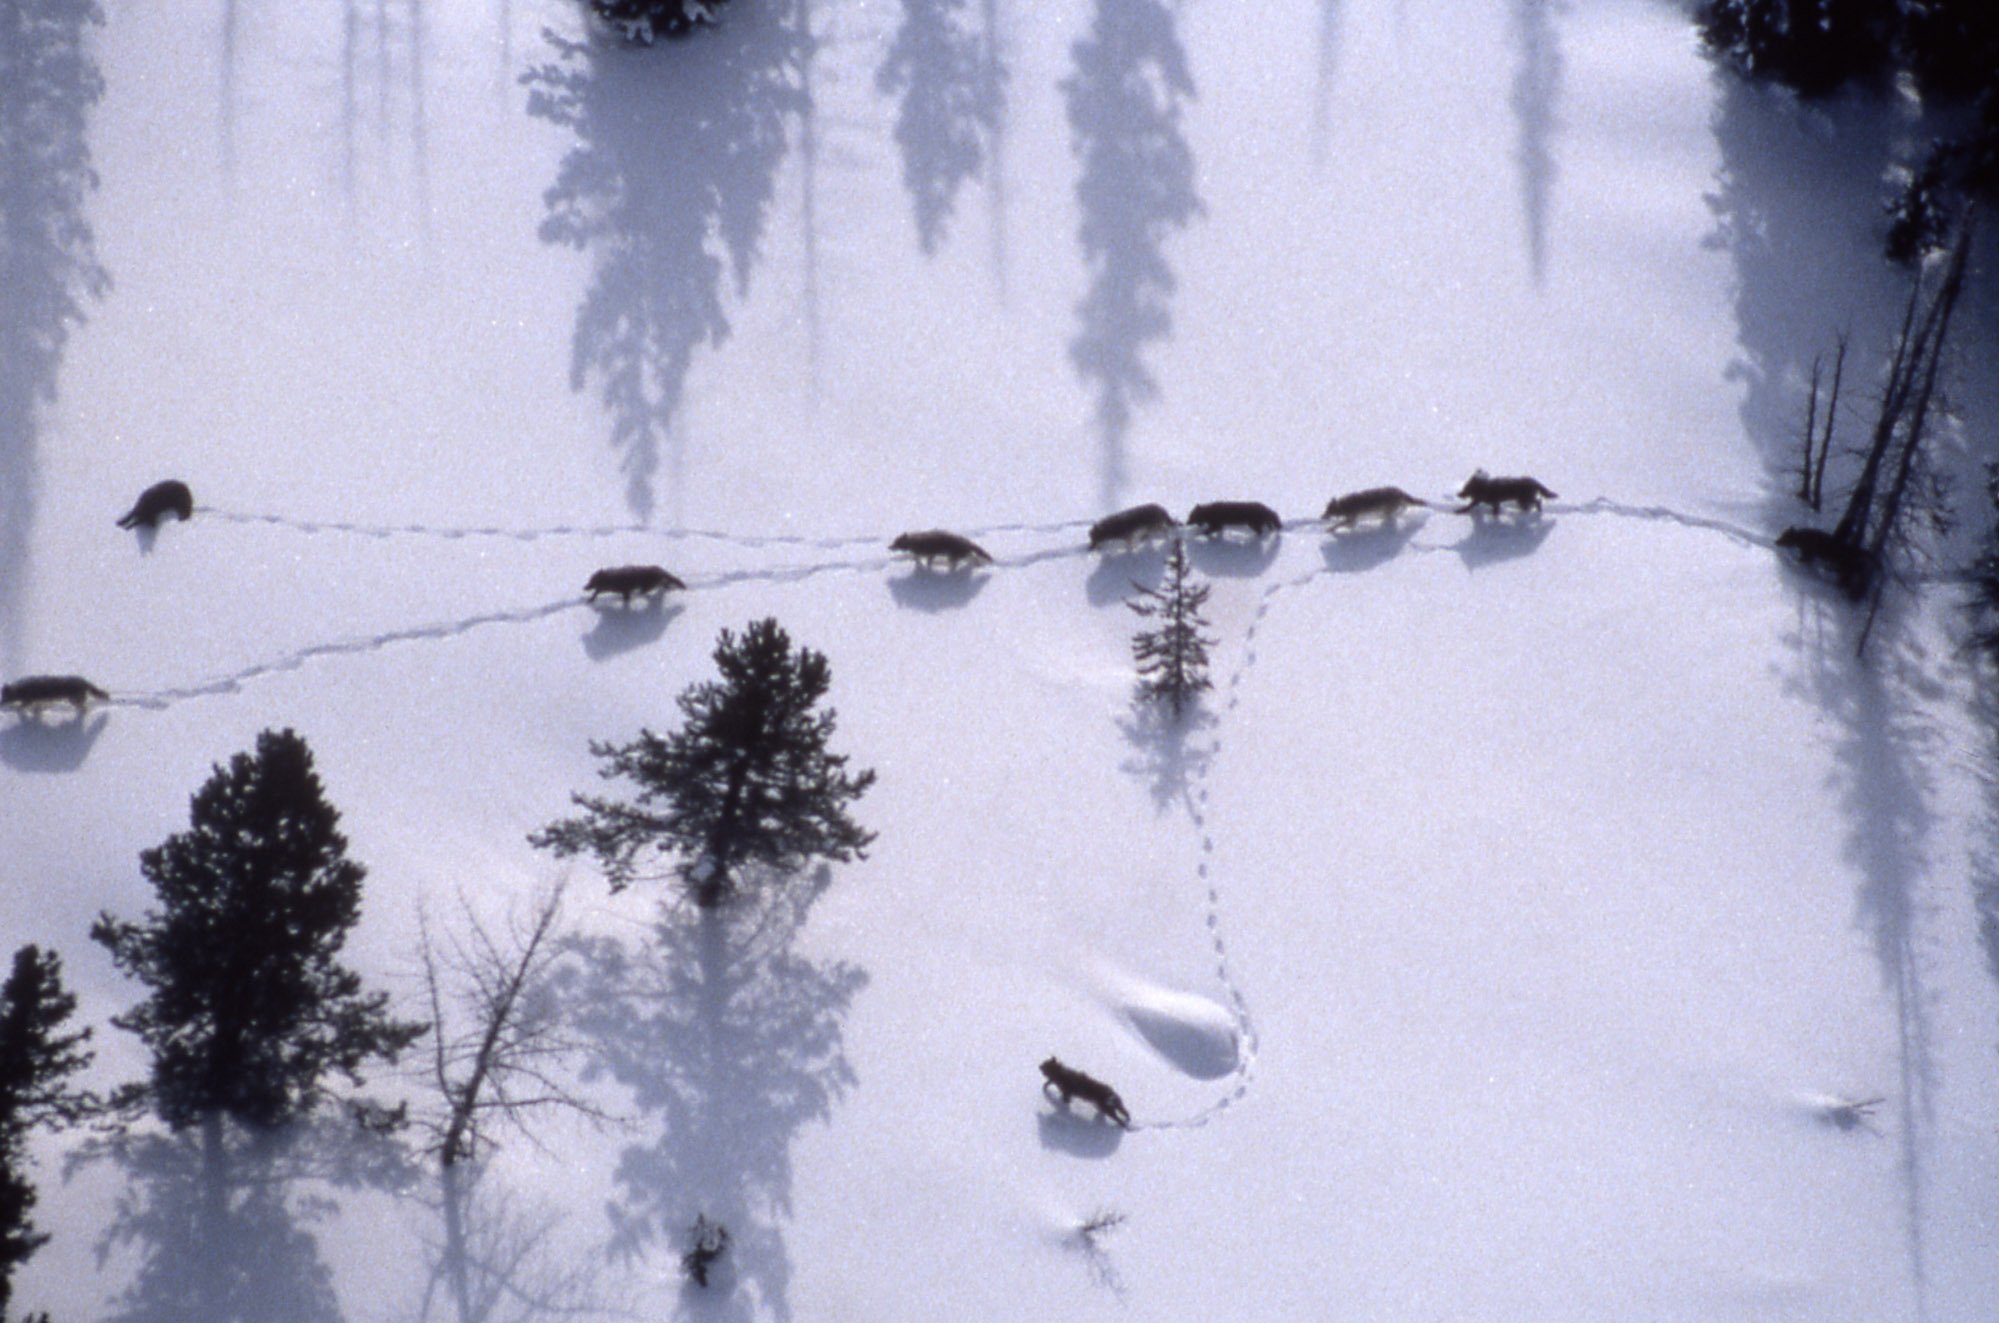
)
(1172, 658)
(250, 1007)
(747, 781)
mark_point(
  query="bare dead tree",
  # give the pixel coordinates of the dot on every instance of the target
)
(1928, 356)
(1817, 440)
(501, 1049)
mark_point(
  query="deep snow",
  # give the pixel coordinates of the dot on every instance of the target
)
(1492, 946)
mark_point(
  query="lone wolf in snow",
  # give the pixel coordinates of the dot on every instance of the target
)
(32, 693)
(1385, 503)
(629, 581)
(158, 501)
(937, 545)
(1067, 1083)
(1480, 489)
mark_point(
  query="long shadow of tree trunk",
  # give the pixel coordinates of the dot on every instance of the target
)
(1886, 795)
(718, 1028)
(48, 262)
(669, 185)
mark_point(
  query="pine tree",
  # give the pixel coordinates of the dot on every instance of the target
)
(250, 1007)
(36, 1060)
(644, 20)
(1172, 660)
(747, 781)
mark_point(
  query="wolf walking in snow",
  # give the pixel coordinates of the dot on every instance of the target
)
(1132, 526)
(1214, 517)
(937, 545)
(171, 497)
(1067, 1083)
(1386, 503)
(1481, 489)
(629, 581)
(32, 693)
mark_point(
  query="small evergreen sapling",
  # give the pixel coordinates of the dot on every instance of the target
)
(250, 1007)
(36, 1060)
(747, 781)
(1172, 659)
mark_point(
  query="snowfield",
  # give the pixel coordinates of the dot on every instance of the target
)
(1544, 918)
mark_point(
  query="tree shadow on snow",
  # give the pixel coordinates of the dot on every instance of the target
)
(1135, 191)
(1885, 793)
(668, 188)
(1537, 85)
(501, 1259)
(949, 107)
(33, 745)
(1794, 179)
(729, 1042)
(220, 1216)
(1170, 754)
(48, 261)
(622, 629)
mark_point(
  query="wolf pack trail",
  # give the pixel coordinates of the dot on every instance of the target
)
(1195, 796)
(1271, 544)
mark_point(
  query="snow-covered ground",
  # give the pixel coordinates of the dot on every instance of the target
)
(1494, 945)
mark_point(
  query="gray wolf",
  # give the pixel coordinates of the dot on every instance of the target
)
(1132, 526)
(34, 692)
(629, 581)
(162, 498)
(936, 544)
(1480, 489)
(1387, 502)
(1215, 516)
(1850, 566)
(1068, 1083)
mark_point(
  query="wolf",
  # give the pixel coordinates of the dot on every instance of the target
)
(1480, 489)
(936, 544)
(1216, 516)
(1132, 526)
(1387, 502)
(629, 581)
(1850, 566)
(159, 500)
(1068, 1083)
(33, 692)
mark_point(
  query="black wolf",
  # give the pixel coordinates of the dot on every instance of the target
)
(1216, 516)
(1850, 566)
(629, 581)
(1479, 489)
(1387, 502)
(33, 692)
(1068, 1083)
(162, 498)
(936, 544)
(1132, 526)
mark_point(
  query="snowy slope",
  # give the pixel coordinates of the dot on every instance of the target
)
(1491, 946)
